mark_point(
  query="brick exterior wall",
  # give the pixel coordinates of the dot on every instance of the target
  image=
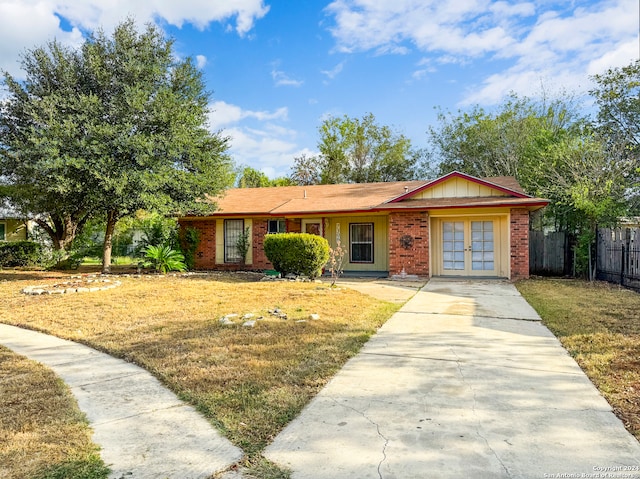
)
(519, 231)
(206, 252)
(205, 257)
(260, 261)
(415, 259)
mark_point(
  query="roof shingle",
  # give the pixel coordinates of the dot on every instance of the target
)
(341, 198)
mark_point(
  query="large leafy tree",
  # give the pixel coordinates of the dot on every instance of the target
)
(506, 142)
(617, 94)
(356, 150)
(116, 126)
(43, 172)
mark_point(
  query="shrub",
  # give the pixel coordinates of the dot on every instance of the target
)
(297, 253)
(164, 258)
(243, 244)
(20, 253)
(189, 241)
(336, 262)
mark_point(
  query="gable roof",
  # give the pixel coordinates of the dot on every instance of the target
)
(505, 184)
(363, 197)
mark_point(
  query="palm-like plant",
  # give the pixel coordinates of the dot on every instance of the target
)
(163, 259)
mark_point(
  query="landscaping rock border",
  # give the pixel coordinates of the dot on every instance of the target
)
(76, 284)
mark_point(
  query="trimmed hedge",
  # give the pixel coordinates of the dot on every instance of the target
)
(297, 253)
(20, 253)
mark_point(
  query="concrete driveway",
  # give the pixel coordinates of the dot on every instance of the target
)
(464, 381)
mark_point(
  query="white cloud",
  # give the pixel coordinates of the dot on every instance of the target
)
(262, 150)
(25, 24)
(257, 138)
(282, 79)
(392, 26)
(93, 13)
(538, 41)
(201, 61)
(223, 113)
(331, 74)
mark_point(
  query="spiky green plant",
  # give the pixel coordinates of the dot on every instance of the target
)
(164, 259)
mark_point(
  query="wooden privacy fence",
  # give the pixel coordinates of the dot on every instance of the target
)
(548, 253)
(618, 256)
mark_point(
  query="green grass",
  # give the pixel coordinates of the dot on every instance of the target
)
(599, 325)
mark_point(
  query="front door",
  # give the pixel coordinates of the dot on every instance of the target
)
(468, 248)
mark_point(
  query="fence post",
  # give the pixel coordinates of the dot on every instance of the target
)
(622, 264)
(626, 245)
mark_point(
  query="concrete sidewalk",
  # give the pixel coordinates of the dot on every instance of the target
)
(464, 381)
(144, 430)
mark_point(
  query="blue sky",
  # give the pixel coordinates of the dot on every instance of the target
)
(277, 68)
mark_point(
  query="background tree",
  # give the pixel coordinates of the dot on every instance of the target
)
(306, 170)
(252, 178)
(354, 150)
(617, 94)
(117, 126)
(506, 142)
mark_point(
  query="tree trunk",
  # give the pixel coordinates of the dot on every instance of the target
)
(62, 231)
(112, 219)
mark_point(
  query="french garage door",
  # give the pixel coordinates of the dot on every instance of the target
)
(469, 248)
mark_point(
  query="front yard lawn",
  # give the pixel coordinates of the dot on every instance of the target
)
(599, 324)
(249, 382)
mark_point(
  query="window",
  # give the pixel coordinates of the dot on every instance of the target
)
(233, 229)
(277, 226)
(361, 242)
(2, 232)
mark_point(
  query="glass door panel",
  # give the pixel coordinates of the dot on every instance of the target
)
(468, 248)
(453, 245)
(482, 247)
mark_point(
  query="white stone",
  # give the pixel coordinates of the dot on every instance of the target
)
(249, 324)
(314, 317)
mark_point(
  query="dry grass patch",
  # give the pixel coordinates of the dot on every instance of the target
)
(43, 434)
(250, 382)
(599, 325)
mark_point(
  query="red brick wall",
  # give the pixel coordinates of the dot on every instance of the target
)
(205, 257)
(415, 260)
(206, 251)
(260, 261)
(519, 231)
